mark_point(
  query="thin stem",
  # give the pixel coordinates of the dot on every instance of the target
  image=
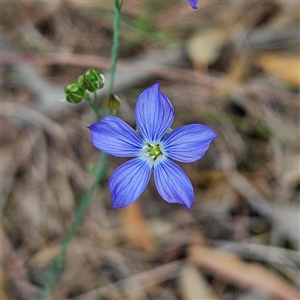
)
(93, 104)
(115, 48)
(96, 107)
(57, 264)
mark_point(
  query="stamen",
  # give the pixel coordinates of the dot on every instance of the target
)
(152, 151)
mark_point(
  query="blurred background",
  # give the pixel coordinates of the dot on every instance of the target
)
(232, 65)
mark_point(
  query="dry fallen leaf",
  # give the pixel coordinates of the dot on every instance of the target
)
(236, 73)
(13, 270)
(43, 258)
(234, 270)
(192, 284)
(283, 66)
(279, 213)
(136, 229)
(204, 47)
(2, 287)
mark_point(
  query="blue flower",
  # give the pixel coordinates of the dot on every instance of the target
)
(154, 149)
(193, 3)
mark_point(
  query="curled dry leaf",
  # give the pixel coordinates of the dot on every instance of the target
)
(2, 286)
(44, 257)
(13, 272)
(282, 66)
(278, 213)
(204, 47)
(234, 270)
(236, 73)
(193, 285)
(136, 228)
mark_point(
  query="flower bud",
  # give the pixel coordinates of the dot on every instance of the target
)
(74, 93)
(113, 102)
(92, 80)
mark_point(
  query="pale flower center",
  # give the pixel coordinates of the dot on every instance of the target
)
(152, 151)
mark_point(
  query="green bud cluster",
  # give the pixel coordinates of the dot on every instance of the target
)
(74, 93)
(91, 81)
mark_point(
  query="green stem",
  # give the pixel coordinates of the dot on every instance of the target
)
(95, 107)
(93, 104)
(115, 48)
(57, 264)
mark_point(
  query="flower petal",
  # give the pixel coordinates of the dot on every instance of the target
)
(113, 136)
(193, 3)
(154, 113)
(128, 182)
(188, 143)
(172, 183)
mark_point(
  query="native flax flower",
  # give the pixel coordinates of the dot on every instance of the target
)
(193, 3)
(154, 149)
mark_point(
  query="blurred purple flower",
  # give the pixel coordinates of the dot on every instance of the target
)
(154, 149)
(193, 3)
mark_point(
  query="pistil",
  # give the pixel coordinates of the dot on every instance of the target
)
(152, 151)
